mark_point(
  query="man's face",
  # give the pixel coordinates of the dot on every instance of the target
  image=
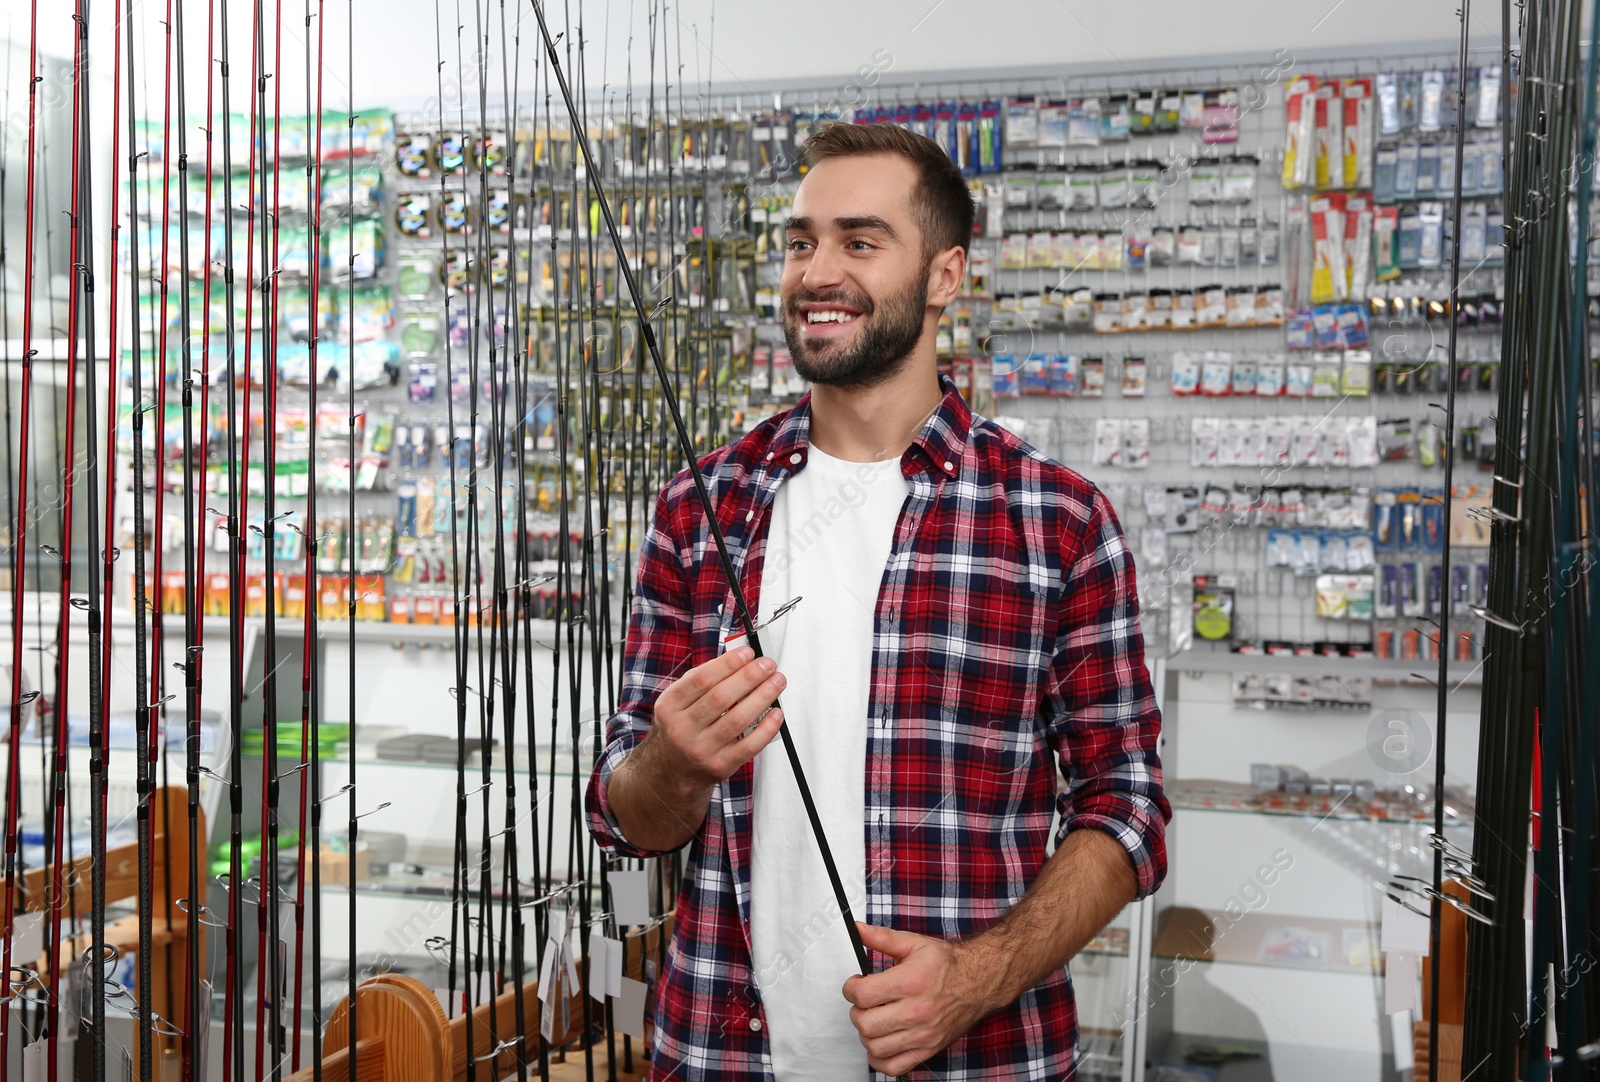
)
(855, 280)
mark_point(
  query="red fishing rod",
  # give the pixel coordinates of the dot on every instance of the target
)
(156, 751)
(257, 206)
(61, 843)
(195, 920)
(196, 518)
(99, 744)
(141, 686)
(19, 540)
(270, 965)
(233, 1021)
(308, 748)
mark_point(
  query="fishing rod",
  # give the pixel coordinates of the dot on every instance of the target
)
(198, 518)
(141, 683)
(60, 848)
(1578, 1023)
(19, 541)
(512, 934)
(479, 277)
(686, 448)
(158, 637)
(232, 1018)
(100, 653)
(309, 721)
(458, 857)
(353, 547)
(269, 1006)
(194, 576)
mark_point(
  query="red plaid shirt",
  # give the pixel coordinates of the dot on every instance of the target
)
(1006, 638)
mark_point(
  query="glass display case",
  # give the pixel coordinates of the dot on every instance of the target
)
(1288, 827)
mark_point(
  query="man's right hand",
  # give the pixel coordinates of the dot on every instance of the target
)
(695, 742)
(700, 718)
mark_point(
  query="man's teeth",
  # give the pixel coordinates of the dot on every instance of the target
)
(829, 315)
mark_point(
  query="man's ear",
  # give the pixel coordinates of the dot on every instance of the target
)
(946, 271)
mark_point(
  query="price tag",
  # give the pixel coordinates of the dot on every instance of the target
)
(630, 897)
(1404, 932)
(630, 1007)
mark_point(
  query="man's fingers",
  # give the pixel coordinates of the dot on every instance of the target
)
(885, 988)
(695, 683)
(748, 710)
(732, 690)
(898, 1066)
(740, 752)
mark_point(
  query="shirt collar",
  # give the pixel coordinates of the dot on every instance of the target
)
(938, 445)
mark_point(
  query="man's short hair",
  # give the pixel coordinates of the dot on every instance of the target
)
(941, 202)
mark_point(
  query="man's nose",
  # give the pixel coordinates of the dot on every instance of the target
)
(824, 270)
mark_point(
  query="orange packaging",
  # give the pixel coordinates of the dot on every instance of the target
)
(424, 609)
(1410, 645)
(447, 612)
(172, 591)
(255, 594)
(332, 591)
(400, 609)
(369, 597)
(217, 594)
(294, 596)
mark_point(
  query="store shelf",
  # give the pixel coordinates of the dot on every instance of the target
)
(1239, 798)
(336, 630)
(1217, 661)
(1270, 940)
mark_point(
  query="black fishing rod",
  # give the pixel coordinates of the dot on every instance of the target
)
(310, 685)
(686, 447)
(99, 689)
(193, 652)
(353, 545)
(19, 549)
(508, 606)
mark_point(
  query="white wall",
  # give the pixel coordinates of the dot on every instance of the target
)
(830, 48)
(756, 44)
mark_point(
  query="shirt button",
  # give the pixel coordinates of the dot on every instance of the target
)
(794, 459)
(769, 456)
(748, 515)
(755, 1025)
(949, 467)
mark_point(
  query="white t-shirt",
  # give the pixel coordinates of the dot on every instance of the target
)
(832, 529)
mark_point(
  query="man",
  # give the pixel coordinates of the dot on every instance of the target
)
(969, 619)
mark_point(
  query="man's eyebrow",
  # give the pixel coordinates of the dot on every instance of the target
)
(848, 225)
(869, 221)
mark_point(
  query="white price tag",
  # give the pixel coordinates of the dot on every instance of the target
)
(630, 897)
(599, 964)
(1404, 932)
(630, 1007)
(1399, 982)
(27, 938)
(614, 958)
(34, 1065)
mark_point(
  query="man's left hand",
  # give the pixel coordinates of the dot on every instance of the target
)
(934, 993)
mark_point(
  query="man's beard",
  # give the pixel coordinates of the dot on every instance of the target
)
(879, 351)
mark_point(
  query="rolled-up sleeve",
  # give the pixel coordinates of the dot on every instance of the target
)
(655, 654)
(1100, 708)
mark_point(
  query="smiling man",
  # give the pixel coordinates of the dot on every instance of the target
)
(969, 625)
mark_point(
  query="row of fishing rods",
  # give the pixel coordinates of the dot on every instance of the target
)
(1541, 695)
(491, 598)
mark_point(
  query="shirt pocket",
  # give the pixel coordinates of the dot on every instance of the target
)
(985, 635)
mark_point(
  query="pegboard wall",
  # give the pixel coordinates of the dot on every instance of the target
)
(1305, 482)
